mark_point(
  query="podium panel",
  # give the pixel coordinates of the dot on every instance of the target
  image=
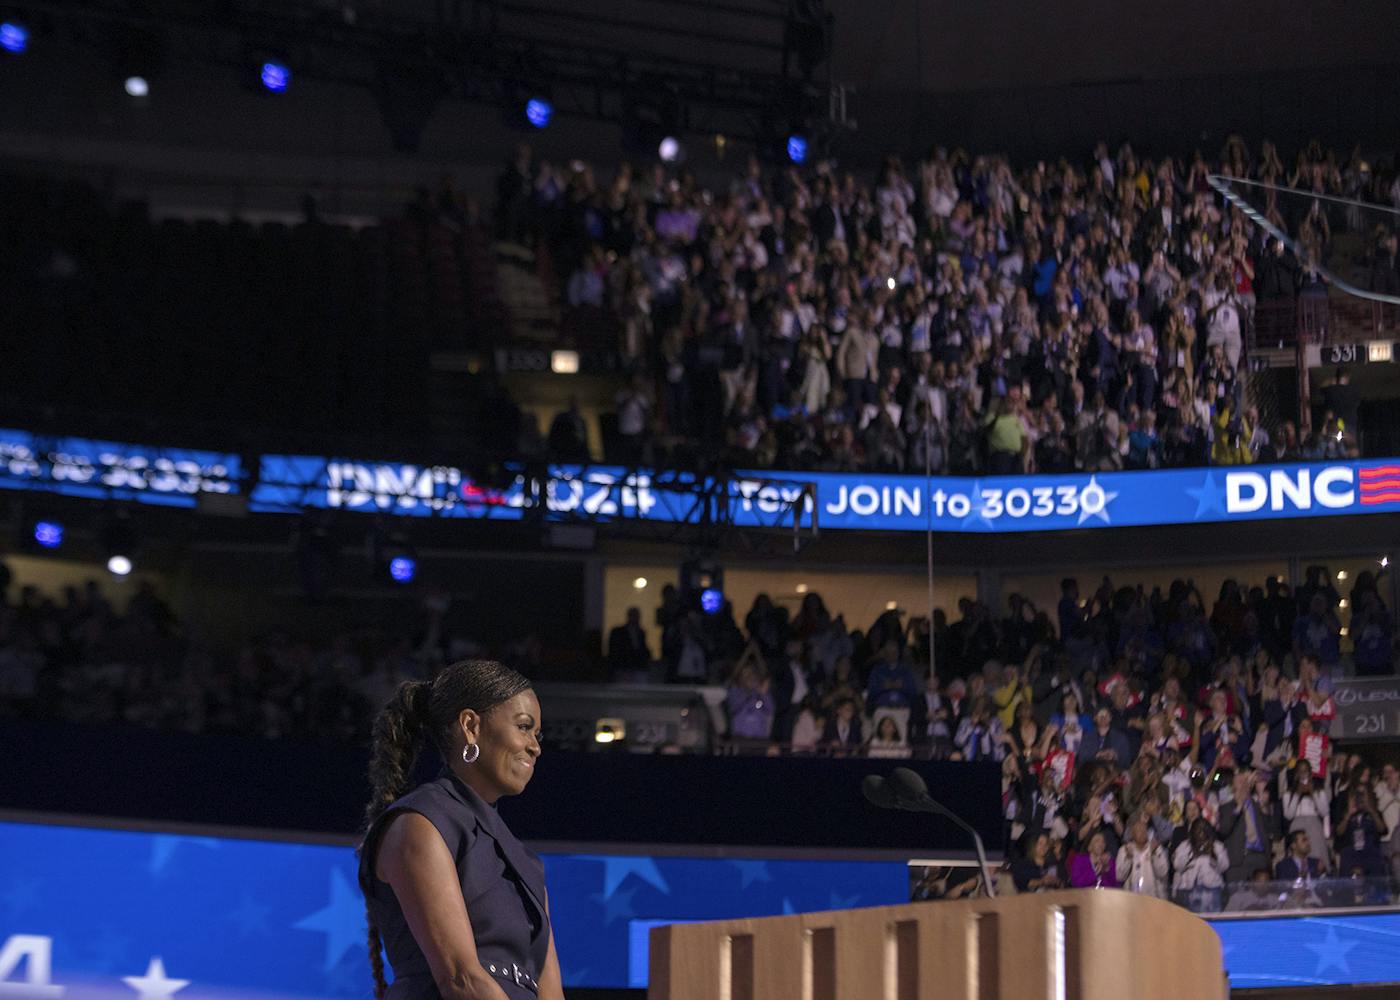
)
(1084, 944)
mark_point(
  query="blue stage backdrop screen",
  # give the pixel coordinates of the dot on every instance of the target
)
(273, 919)
(113, 913)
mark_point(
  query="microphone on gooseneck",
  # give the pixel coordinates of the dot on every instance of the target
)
(906, 789)
(878, 793)
(909, 787)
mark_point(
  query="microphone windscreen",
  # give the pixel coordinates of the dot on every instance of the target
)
(907, 784)
(877, 791)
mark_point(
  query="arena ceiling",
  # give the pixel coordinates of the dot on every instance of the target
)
(957, 45)
(1028, 79)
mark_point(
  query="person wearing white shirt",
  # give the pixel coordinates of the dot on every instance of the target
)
(1142, 862)
(1200, 863)
(795, 317)
(1388, 805)
(1140, 341)
(871, 411)
(1307, 806)
(1223, 323)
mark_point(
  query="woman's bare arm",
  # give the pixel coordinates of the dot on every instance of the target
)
(551, 979)
(415, 861)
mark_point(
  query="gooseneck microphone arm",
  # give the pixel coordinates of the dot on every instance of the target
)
(904, 789)
(929, 804)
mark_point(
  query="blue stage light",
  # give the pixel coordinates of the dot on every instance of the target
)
(403, 569)
(797, 148)
(14, 37)
(48, 534)
(275, 76)
(538, 112)
(711, 600)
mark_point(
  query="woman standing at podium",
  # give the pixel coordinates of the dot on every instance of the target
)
(458, 903)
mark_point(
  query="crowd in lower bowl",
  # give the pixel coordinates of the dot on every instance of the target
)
(1145, 740)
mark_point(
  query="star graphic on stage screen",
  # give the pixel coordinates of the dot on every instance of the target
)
(617, 906)
(1094, 501)
(977, 512)
(1207, 497)
(348, 978)
(341, 920)
(155, 985)
(617, 867)
(840, 902)
(1331, 952)
(163, 847)
(751, 872)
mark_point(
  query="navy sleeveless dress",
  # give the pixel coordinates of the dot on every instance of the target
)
(502, 884)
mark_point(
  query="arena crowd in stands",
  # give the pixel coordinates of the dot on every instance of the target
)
(1156, 740)
(956, 314)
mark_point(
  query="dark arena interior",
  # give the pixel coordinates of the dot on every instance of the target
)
(736, 500)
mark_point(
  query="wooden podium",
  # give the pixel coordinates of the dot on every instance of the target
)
(1082, 944)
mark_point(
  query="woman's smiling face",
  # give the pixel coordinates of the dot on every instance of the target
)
(508, 735)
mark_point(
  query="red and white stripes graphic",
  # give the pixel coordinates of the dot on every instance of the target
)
(1380, 484)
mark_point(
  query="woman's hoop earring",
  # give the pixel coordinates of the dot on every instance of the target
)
(470, 753)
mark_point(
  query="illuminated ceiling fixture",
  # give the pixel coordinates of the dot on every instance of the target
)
(14, 37)
(610, 731)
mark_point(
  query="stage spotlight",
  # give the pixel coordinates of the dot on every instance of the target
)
(14, 37)
(392, 556)
(402, 569)
(702, 584)
(119, 542)
(48, 534)
(669, 149)
(538, 112)
(136, 56)
(275, 76)
(797, 148)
